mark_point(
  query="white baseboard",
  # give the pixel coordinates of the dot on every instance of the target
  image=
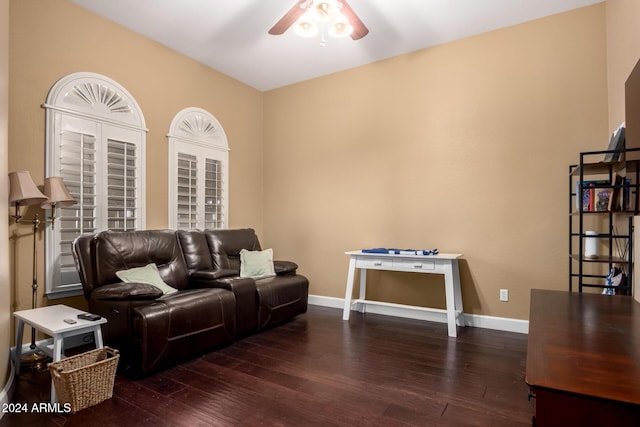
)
(474, 320)
(326, 301)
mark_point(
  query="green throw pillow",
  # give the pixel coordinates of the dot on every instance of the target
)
(256, 264)
(148, 274)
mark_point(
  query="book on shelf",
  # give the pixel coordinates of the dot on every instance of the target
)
(616, 144)
(628, 199)
(592, 196)
(615, 199)
(601, 199)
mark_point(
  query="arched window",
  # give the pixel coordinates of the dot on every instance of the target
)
(95, 140)
(198, 171)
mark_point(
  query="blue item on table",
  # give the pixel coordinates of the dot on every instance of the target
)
(394, 251)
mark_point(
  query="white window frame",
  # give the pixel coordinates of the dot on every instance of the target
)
(197, 132)
(99, 107)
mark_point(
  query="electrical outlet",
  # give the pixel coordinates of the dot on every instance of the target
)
(504, 294)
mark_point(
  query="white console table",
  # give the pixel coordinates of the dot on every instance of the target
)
(446, 264)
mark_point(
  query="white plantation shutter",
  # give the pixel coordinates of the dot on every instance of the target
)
(95, 142)
(213, 194)
(187, 213)
(78, 170)
(198, 172)
(121, 185)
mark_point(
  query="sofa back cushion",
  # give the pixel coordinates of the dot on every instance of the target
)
(195, 250)
(225, 246)
(122, 250)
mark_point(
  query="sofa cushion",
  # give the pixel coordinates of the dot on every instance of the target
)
(181, 325)
(281, 298)
(195, 250)
(256, 264)
(122, 250)
(225, 246)
(148, 275)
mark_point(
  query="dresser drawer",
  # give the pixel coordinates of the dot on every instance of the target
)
(382, 263)
(414, 265)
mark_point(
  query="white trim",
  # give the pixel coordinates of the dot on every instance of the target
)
(195, 124)
(75, 113)
(326, 301)
(107, 97)
(498, 323)
(430, 315)
(75, 291)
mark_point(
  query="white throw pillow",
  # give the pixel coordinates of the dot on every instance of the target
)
(148, 274)
(256, 264)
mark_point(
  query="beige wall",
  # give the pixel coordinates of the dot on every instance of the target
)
(464, 147)
(623, 52)
(5, 289)
(52, 38)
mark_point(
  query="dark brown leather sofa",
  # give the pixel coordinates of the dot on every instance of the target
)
(213, 304)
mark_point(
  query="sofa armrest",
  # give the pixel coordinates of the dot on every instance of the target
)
(201, 278)
(244, 290)
(126, 291)
(284, 268)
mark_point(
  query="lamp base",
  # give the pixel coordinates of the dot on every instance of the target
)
(36, 361)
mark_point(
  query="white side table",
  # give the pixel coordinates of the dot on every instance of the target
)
(50, 320)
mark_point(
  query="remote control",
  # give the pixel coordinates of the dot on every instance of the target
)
(89, 316)
(69, 321)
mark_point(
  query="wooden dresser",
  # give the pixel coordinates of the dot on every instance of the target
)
(583, 359)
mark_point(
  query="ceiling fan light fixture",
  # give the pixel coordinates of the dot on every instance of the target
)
(305, 27)
(333, 18)
(340, 27)
(325, 10)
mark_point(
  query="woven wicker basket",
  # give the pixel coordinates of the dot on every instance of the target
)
(86, 379)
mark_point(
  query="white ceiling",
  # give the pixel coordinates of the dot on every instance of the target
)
(231, 35)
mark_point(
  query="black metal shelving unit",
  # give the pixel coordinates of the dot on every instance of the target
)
(613, 224)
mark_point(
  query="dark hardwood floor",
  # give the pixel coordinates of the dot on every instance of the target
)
(318, 370)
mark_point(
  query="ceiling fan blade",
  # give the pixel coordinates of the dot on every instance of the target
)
(359, 29)
(288, 19)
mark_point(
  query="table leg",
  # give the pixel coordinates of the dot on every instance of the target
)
(457, 292)
(97, 335)
(349, 291)
(57, 355)
(450, 299)
(363, 290)
(18, 352)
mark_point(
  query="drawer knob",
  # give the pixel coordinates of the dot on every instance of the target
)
(377, 263)
(417, 265)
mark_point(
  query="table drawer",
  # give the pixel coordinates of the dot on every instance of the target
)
(414, 265)
(383, 263)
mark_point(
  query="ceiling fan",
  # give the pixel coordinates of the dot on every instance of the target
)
(336, 14)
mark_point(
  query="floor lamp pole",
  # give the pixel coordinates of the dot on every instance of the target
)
(37, 359)
(34, 283)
